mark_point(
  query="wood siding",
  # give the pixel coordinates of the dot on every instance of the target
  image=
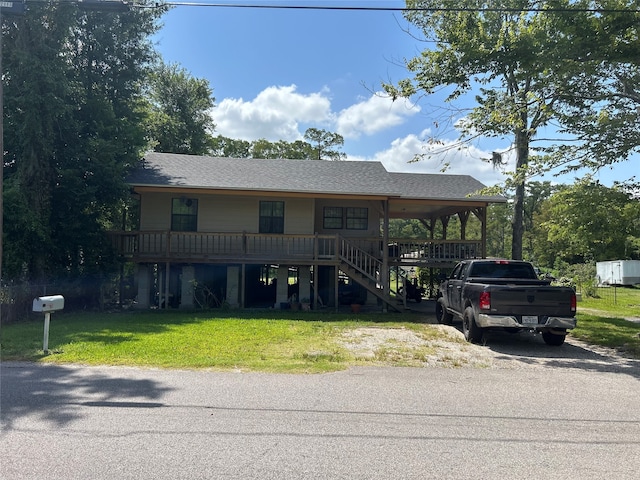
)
(219, 213)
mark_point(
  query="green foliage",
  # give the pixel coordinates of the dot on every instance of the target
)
(74, 126)
(410, 228)
(228, 147)
(323, 143)
(604, 69)
(587, 222)
(498, 231)
(581, 276)
(296, 150)
(506, 55)
(180, 111)
(530, 67)
(263, 148)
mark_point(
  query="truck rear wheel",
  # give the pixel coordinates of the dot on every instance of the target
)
(442, 315)
(555, 339)
(472, 332)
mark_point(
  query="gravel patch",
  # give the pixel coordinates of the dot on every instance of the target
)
(408, 347)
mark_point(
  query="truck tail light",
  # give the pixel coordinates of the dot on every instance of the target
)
(485, 301)
(574, 303)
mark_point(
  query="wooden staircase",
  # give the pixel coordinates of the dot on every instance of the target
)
(365, 269)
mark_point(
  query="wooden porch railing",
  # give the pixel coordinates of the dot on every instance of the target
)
(192, 245)
(364, 254)
(409, 251)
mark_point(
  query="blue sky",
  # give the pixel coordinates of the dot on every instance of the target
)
(277, 72)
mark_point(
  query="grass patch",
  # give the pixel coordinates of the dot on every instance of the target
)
(613, 332)
(262, 340)
(602, 320)
(615, 301)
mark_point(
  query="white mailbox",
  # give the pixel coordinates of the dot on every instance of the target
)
(51, 303)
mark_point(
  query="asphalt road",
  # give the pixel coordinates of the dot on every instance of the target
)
(555, 421)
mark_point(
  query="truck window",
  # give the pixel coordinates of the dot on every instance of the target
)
(456, 272)
(465, 270)
(503, 270)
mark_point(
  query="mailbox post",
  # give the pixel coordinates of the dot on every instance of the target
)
(49, 304)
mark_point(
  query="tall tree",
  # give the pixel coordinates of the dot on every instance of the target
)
(74, 126)
(324, 143)
(181, 105)
(513, 55)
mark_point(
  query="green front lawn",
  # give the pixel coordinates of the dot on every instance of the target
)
(262, 340)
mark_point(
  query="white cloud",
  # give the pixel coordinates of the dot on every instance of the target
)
(375, 114)
(442, 157)
(275, 114)
(281, 113)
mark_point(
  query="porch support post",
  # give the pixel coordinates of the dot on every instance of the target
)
(233, 285)
(464, 218)
(186, 289)
(282, 288)
(243, 285)
(385, 274)
(316, 289)
(167, 285)
(143, 275)
(483, 222)
(336, 282)
(304, 282)
(445, 223)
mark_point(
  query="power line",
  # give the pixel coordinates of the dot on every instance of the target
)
(373, 8)
(368, 8)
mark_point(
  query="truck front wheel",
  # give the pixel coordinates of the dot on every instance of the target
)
(442, 315)
(472, 332)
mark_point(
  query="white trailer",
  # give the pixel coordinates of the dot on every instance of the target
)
(618, 272)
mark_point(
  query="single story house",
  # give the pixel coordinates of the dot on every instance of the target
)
(258, 232)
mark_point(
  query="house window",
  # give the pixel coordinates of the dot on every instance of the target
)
(271, 217)
(332, 217)
(184, 215)
(357, 218)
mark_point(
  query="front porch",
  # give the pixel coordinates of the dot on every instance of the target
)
(323, 259)
(197, 247)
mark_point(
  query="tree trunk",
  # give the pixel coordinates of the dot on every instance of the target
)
(517, 222)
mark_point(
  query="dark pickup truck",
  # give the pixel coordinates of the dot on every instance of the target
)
(507, 294)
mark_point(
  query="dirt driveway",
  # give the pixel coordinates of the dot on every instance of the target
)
(501, 350)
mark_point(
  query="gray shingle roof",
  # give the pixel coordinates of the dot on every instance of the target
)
(439, 186)
(300, 176)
